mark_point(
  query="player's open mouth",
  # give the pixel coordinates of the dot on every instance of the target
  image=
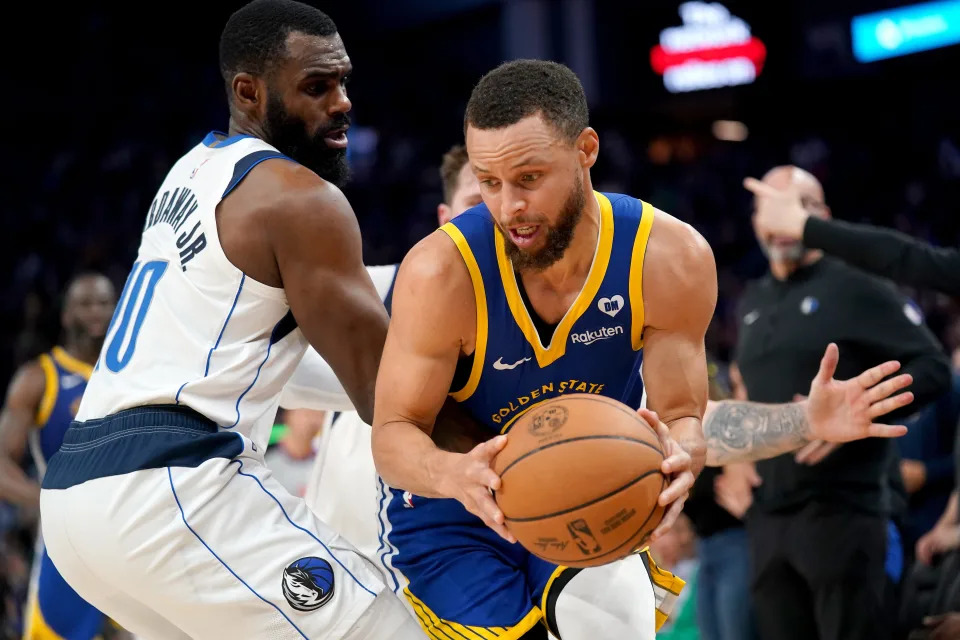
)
(524, 236)
(336, 139)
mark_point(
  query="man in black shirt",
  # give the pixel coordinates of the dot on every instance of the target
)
(887, 253)
(818, 532)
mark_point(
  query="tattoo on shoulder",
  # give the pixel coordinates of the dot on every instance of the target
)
(743, 431)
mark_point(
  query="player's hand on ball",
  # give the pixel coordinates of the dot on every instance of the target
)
(678, 466)
(470, 479)
(842, 411)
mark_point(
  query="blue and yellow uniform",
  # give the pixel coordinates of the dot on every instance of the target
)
(464, 580)
(54, 610)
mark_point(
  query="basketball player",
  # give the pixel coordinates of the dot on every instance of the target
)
(344, 461)
(158, 509)
(41, 402)
(548, 288)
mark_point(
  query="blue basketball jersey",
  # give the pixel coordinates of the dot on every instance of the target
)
(66, 379)
(595, 348)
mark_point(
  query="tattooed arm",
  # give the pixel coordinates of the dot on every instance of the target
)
(747, 431)
(836, 411)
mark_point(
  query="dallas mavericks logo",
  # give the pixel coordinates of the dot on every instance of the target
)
(308, 583)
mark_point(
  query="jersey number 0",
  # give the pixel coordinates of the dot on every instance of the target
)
(131, 299)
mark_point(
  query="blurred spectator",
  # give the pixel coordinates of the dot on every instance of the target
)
(927, 466)
(819, 525)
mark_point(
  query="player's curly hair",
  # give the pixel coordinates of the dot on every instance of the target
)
(453, 162)
(522, 88)
(255, 36)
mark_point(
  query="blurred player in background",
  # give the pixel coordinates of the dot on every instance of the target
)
(41, 403)
(158, 508)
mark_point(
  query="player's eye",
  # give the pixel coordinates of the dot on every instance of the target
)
(345, 80)
(490, 183)
(529, 177)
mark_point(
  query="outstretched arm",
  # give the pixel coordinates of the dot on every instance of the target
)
(835, 411)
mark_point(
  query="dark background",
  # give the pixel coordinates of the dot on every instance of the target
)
(103, 100)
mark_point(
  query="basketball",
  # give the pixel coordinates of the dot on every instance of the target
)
(580, 477)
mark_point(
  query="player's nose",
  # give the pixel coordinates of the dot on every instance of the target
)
(340, 102)
(512, 202)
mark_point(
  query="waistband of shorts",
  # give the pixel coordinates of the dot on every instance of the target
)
(147, 437)
(167, 415)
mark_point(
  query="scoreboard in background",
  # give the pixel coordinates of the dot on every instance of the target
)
(898, 32)
(711, 49)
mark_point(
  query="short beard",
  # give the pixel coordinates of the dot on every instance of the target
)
(789, 254)
(289, 135)
(558, 237)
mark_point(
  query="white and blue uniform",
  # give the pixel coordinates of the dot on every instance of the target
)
(158, 509)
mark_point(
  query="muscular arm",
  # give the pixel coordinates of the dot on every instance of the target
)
(16, 420)
(433, 322)
(316, 242)
(680, 292)
(313, 384)
(738, 431)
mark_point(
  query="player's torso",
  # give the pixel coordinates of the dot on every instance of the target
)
(65, 379)
(596, 347)
(190, 328)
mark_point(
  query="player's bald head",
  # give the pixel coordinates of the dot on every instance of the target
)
(787, 176)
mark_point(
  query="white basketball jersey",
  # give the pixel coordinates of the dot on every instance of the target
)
(190, 328)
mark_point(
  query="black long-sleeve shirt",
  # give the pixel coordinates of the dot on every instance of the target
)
(785, 327)
(887, 253)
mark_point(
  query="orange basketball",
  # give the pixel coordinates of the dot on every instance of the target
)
(580, 477)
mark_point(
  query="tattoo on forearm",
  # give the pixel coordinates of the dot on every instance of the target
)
(746, 431)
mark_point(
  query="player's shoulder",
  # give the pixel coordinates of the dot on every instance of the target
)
(678, 243)
(30, 379)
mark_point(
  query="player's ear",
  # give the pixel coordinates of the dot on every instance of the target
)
(588, 146)
(246, 92)
(444, 214)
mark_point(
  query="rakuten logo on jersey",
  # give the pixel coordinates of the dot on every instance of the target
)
(589, 337)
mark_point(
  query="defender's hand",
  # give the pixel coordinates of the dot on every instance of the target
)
(469, 478)
(678, 466)
(842, 411)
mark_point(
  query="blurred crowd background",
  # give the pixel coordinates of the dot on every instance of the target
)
(104, 101)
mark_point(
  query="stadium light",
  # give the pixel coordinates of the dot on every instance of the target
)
(711, 49)
(898, 32)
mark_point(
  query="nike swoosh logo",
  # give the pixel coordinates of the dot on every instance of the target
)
(500, 365)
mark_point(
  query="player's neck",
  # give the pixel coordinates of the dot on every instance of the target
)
(242, 125)
(575, 264)
(83, 349)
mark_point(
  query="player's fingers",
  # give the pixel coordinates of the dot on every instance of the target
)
(884, 407)
(488, 450)
(887, 431)
(678, 488)
(888, 387)
(758, 188)
(875, 374)
(489, 512)
(678, 460)
(668, 520)
(804, 453)
(484, 476)
(828, 364)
